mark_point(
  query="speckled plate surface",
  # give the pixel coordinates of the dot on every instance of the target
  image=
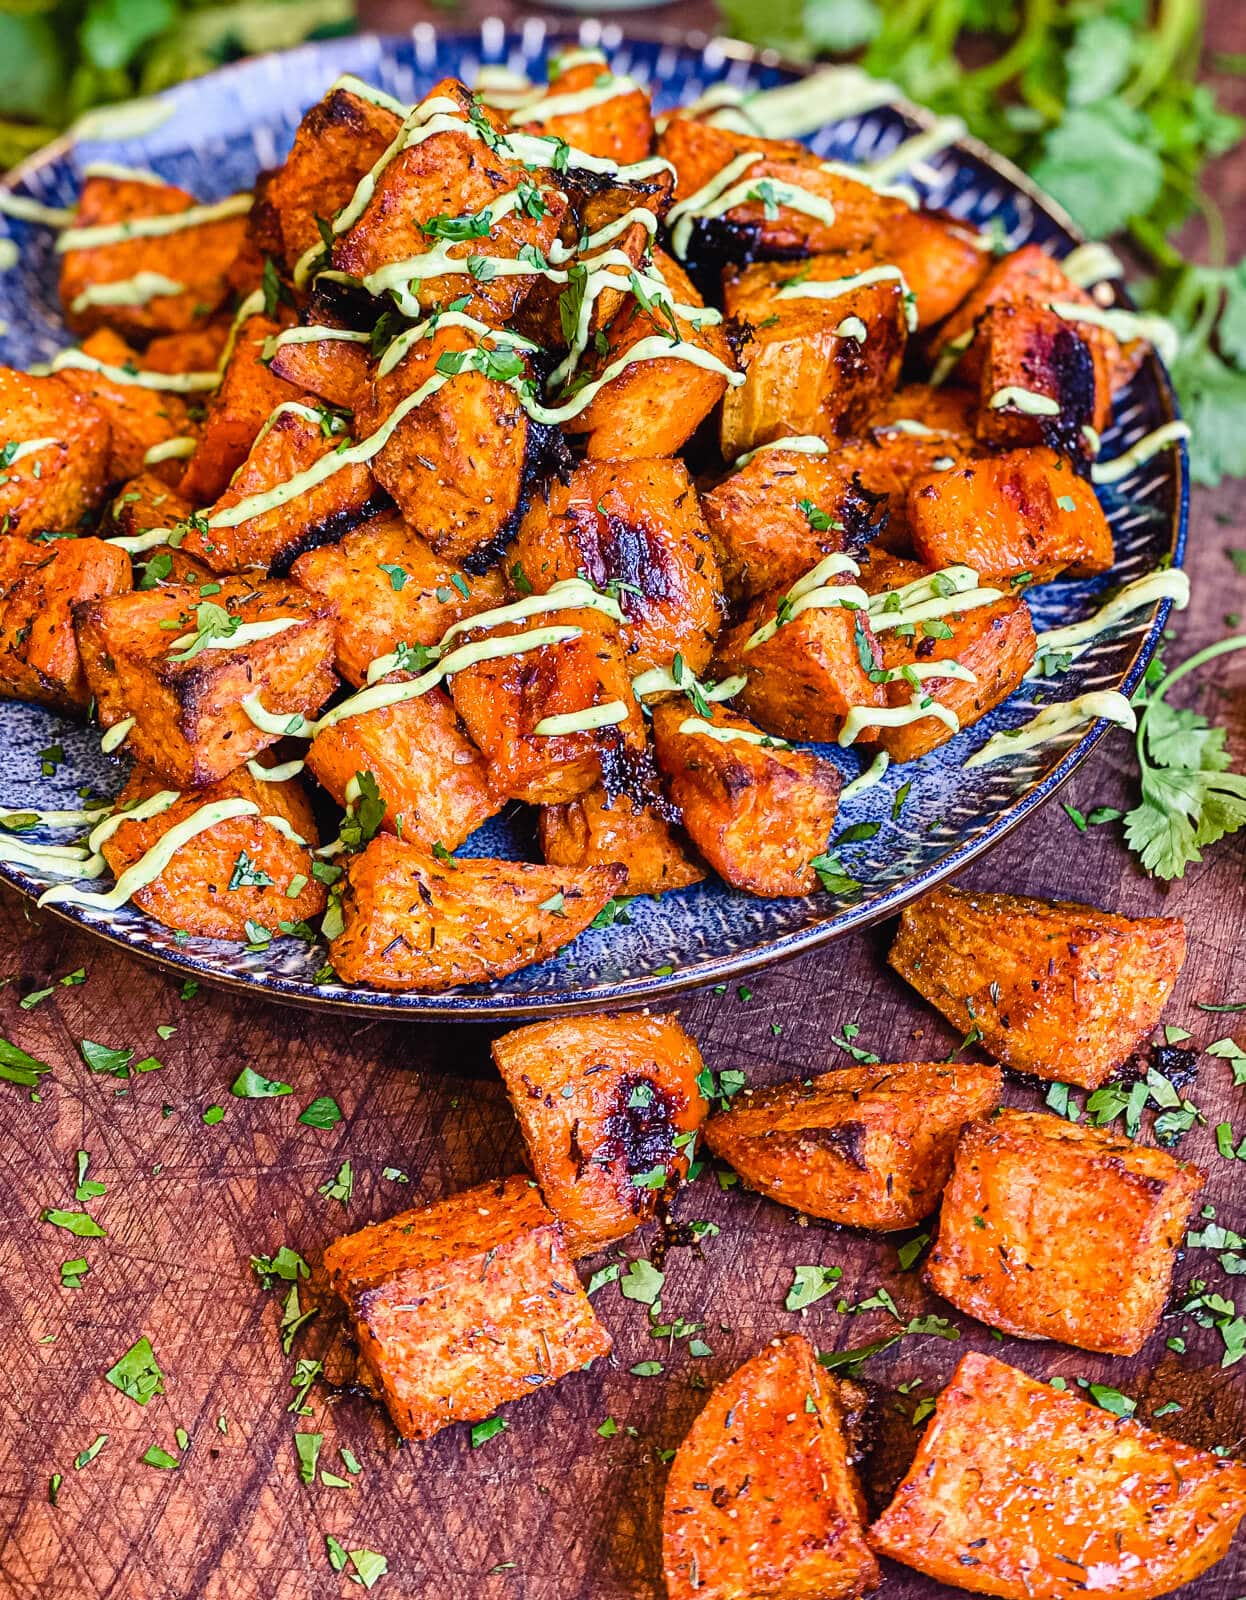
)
(213, 136)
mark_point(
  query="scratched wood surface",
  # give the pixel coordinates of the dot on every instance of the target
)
(550, 1509)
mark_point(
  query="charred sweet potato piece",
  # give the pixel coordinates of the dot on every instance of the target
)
(54, 486)
(433, 780)
(805, 678)
(144, 503)
(1026, 512)
(503, 702)
(196, 350)
(1051, 1230)
(138, 418)
(454, 173)
(227, 539)
(415, 922)
(196, 258)
(603, 1102)
(1029, 356)
(699, 151)
(653, 407)
(940, 261)
(617, 129)
(240, 872)
(389, 589)
(868, 1146)
(758, 811)
(597, 828)
(248, 395)
(336, 371)
(1060, 990)
(779, 513)
(189, 724)
(814, 365)
(455, 464)
(633, 528)
(337, 142)
(39, 586)
(463, 1305)
(1022, 1491)
(762, 1499)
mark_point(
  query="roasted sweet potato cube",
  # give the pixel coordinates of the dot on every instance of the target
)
(456, 463)
(196, 350)
(779, 513)
(144, 503)
(337, 142)
(1027, 512)
(413, 921)
(433, 780)
(939, 257)
(242, 873)
(453, 173)
(138, 418)
(1054, 1230)
(504, 701)
(39, 586)
(336, 371)
(196, 258)
(1033, 360)
(248, 395)
(1026, 1492)
(390, 589)
(815, 365)
(654, 407)
(463, 1305)
(867, 1146)
(1057, 989)
(619, 128)
(762, 1499)
(598, 828)
(609, 1106)
(54, 445)
(813, 669)
(758, 811)
(633, 528)
(189, 725)
(247, 528)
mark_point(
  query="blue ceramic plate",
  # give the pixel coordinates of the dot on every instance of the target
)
(213, 136)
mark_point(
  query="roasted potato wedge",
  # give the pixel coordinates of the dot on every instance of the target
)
(1057, 989)
(237, 877)
(599, 829)
(762, 1499)
(189, 724)
(758, 811)
(867, 1146)
(463, 1305)
(415, 922)
(55, 454)
(39, 586)
(1021, 1491)
(609, 1106)
(138, 418)
(1054, 1230)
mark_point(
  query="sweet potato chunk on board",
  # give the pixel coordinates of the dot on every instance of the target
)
(415, 922)
(633, 529)
(762, 1500)
(53, 487)
(189, 724)
(868, 1146)
(39, 586)
(1055, 1230)
(463, 1305)
(1025, 1492)
(758, 811)
(248, 394)
(433, 780)
(597, 828)
(1023, 514)
(1057, 989)
(240, 872)
(197, 259)
(138, 418)
(604, 1102)
(390, 589)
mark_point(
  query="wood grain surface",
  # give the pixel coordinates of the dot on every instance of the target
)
(549, 1509)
